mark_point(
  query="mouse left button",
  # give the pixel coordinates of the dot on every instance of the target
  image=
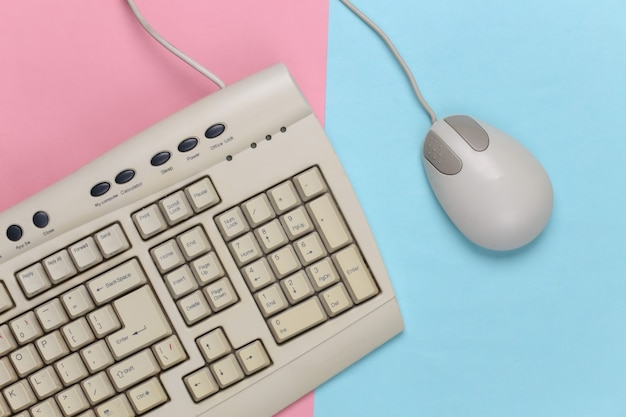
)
(440, 155)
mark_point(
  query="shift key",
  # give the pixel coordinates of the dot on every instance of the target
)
(143, 323)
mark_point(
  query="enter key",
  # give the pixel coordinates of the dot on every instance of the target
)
(143, 323)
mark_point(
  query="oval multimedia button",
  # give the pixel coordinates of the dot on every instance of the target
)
(125, 176)
(215, 130)
(160, 158)
(100, 189)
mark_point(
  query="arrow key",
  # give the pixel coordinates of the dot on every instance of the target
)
(201, 384)
(253, 357)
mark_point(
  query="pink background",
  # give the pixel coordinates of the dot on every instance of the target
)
(80, 76)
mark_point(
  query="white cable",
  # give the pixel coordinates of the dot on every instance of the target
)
(172, 48)
(396, 54)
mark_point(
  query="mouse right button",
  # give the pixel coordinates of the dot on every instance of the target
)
(470, 131)
(440, 155)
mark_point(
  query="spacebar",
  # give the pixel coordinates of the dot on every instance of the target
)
(297, 319)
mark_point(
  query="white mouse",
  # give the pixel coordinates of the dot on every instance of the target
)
(492, 188)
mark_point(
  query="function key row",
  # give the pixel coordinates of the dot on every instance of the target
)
(68, 262)
(175, 208)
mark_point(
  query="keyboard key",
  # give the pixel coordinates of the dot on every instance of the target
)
(194, 243)
(7, 341)
(329, 223)
(284, 261)
(258, 274)
(5, 299)
(103, 321)
(176, 208)
(253, 358)
(310, 183)
(202, 195)
(26, 360)
(117, 281)
(71, 369)
(271, 236)
(207, 268)
(33, 280)
(47, 408)
(112, 241)
(20, 396)
(181, 282)
(139, 330)
(283, 197)
(86, 254)
(72, 400)
(355, 274)
(52, 347)
(149, 221)
(78, 302)
(134, 369)
(45, 382)
(232, 223)
(258, 210)
(271, 300)
(98, 388)
(336, 300)
(245, 249)
(221, 294)
(201, 384)
(297, 287)
(115, 407)
(227, 371)
(323, 274)
(310, 249)
(147, 395)
(51, 315)
(214, 345)
(297, 320)
(77, 334)
(5, 411)
(169, 352)
(297, 223)
(97, 356)
(167, 256)
(59, 267)
(194, 307)
(7, 373)
(26, 328)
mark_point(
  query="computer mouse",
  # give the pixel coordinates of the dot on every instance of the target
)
(490, 186)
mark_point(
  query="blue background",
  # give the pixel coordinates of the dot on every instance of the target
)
(536, 332)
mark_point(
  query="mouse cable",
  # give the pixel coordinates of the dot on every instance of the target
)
(172, 48)
(396, 54)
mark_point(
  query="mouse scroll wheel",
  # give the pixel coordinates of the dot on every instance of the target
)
(440, 155)
(470, 131)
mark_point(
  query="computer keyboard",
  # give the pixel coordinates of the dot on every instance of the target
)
(216, 264)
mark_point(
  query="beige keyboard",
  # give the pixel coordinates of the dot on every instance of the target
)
(216, 264)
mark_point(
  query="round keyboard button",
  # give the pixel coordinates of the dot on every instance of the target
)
(100, 189)
(214, 131)
(15, 233)
(125, 176)
(41, 219)
(160, 158)
(187, 145)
